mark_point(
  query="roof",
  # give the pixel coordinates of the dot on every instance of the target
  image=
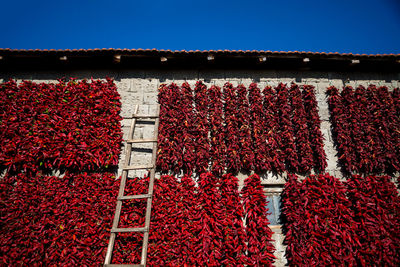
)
(111, 57)
(267, 52)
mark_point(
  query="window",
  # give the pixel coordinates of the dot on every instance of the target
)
(273, 195)
(274, 208)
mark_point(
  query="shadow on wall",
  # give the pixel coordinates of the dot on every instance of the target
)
(212, 76)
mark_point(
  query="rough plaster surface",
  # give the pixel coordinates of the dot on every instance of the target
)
(140, 87)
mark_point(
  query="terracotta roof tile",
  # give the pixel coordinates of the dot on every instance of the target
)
(139, 50)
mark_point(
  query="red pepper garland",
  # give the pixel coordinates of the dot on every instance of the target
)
(286, 128)
(292, 214)
(262, 161)
(234, 240)
(396, 107)
(363, 131)
(163, 134)
(376, 205)
(190, 208)
(54, 221)
(74, 125)
(396, 100)
(202, 144)
(170, 156)
(210, 232)
(245, 140)
(300, 128)
(252, 140)
(258, 234)
(233, 163)
(314, 124)
(390, 126)
(321, 229)
(273, 141)
(341, 128)
(377, 151)
(366, 128)
(381, 127)
(165, 230)
(348, 101)
(218, 147)
(189, 156)
(176, 127)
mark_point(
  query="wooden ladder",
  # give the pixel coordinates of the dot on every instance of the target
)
(149, 196)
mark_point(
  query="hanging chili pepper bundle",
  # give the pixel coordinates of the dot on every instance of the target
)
(47, 220)
(209, 232)
(348, 101)
(314, 124)
(366, 128)
(272, 130)
(362, 131)
(72, 125)
(233, 163)
(163, 133)
(376, 205)
(190, 208)
(217, 135)
(166, 219)
(202, 144)
(189, 156)
(300, 129)
(262, 161)
(340, 128)
(318, 215)
(390, 125)
(245, 139)
(396, 113)
(396, 100)
(258, 234)
(293, 213)
(286, 127)
(234, 236)
(171, 130)
(176, 129)
(373, 143)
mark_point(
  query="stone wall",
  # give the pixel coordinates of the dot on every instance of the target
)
(140, 87)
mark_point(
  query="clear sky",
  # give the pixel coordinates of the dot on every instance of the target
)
(352, 26)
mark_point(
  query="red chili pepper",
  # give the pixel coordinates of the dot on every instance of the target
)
(246, 144)
(217, 135)
(262, 160)
(314, 124)
(258, 234)
(318, 214)
(364, 124)
(301, 130)
(376, 202)
(233, 163)
(73, 125)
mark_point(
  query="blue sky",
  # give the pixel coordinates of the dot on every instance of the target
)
(369, 26)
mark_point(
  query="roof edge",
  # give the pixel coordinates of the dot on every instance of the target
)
(163, 51)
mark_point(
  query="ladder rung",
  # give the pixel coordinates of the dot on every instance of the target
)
(135, 197)
(139, 167)
(129, 230)
(139, 116)
(141, 141)
(123, 265)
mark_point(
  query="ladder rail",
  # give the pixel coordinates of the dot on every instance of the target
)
(151, 190)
